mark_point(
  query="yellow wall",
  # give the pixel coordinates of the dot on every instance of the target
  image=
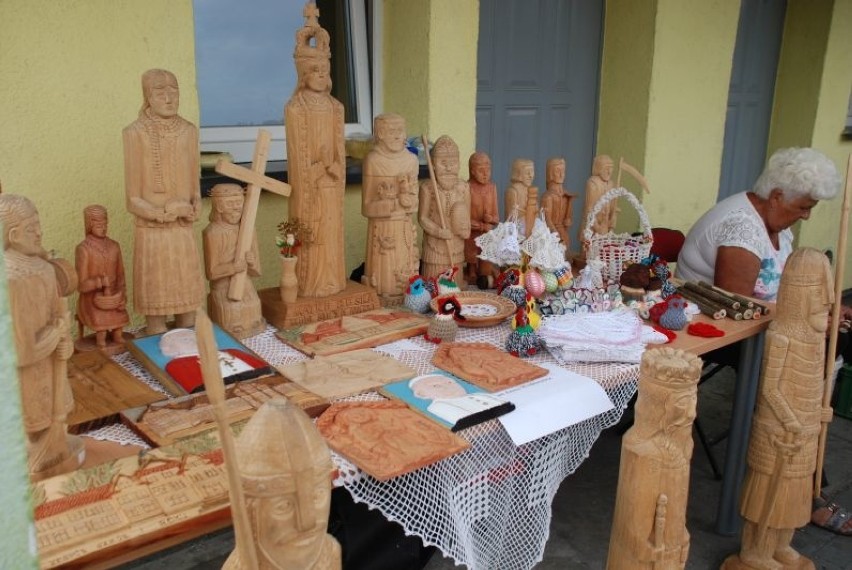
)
(811, 101)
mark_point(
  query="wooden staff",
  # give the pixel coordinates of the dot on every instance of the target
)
(215, 387)
(440, 205)
(708, 309)
(839, 268)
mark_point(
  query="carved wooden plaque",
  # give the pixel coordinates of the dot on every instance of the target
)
(364, 330)
(163, 423)
(102, 389)
(485, 365)
(386, 439)
(348, 373)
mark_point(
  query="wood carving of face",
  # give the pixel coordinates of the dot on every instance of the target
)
(25, 237)
(164, 96)
(392, 135)
(480, 171)
(556, 172)
(317, 76)
(230, 208)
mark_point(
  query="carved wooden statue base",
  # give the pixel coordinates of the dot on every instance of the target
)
(88, 343)
(354, 299)
(733, 562)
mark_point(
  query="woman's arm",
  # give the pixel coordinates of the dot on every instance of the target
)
(736, 270)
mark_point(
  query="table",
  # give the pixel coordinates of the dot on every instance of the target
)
(491, 505)
(751, 333)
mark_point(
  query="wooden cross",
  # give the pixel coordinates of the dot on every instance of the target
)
(311, 14)
(256, 181)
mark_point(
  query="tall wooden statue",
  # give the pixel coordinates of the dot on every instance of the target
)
(557, 203)
(286, 468)
(483, 217)
(161, 157)
(777, 491)
(316, 160)
(102, 305)
(388, 200)
(242, 318)
(42, 326)
(444, 211)
(598, 184)
(649, 526)
(521, 194)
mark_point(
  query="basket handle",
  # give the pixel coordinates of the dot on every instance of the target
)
(614, 194)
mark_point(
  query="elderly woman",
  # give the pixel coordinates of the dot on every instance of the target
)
(741, 244)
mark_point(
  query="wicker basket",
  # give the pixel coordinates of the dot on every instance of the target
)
(616, 251)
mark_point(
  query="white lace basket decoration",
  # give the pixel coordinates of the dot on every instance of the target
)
(617, 250)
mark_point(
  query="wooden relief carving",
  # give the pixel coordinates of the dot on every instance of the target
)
(485, 365)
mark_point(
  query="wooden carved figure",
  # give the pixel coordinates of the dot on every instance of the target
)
(517, 199)
(285, 470)
(316, 160)
(649, 525)
(557, 203)
(102, 305)
(483, 217)
(444, 211)
(598, 184)
(241, 318)
(389, 199)
(776, 497)
(161, 180)
(42, 328)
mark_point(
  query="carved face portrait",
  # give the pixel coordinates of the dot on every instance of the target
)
(680, 409)
(523, 171)
(98, 227)
(556, 171)
(391, 134)
(280, 537)
(230, 208)
(447, 169)
(25, 237)
(603, 167)
(163, 95)
(818, 305)
(436, 387)
(317, 76)
(480, 171)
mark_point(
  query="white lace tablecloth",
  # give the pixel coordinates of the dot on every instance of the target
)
(488, 507)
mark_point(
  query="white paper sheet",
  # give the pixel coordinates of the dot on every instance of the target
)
(546, 405)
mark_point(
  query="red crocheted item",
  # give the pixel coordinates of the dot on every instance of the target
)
(655, 312)
(671, 335)
(704, 329)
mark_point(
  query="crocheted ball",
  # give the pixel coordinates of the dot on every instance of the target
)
(551, 284)
(534, 283)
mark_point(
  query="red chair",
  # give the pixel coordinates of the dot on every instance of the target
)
(667, 243)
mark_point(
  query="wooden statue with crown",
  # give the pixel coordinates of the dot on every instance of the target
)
(316, 163)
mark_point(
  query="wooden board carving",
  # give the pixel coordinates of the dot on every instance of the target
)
(94, 513)
(364, 330)
(164, 423)
(485, 365)
(386, 439)
(348, 373)
(102, 389)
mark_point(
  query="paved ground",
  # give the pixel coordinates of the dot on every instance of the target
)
(582, 510)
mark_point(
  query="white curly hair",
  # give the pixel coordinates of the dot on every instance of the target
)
(799, 172)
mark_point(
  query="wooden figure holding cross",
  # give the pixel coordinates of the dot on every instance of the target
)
(230, 244)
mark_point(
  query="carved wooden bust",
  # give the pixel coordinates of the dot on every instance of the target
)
(285, 470)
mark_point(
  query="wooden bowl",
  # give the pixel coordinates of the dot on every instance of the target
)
(480, 308)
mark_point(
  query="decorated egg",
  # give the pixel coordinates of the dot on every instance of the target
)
(550, 282)
(563, 276)
(534, 283)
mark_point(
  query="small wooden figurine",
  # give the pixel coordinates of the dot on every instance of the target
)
(484, 216)
(444, 211)
(242, 318)
(102, 305)
(161, 169)
(557, 203)
(649, 524)
(598, 184)
(782, 454)
(521, 194)
(388, 200)
(316, 160)
(42, 325)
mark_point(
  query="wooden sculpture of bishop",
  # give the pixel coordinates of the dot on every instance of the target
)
(316, 160)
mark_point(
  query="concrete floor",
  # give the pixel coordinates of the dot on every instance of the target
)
(583, 507)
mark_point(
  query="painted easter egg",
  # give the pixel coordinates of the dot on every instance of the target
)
(551, 284)
(534, 283)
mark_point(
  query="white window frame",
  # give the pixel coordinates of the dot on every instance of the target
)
(240, 141)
